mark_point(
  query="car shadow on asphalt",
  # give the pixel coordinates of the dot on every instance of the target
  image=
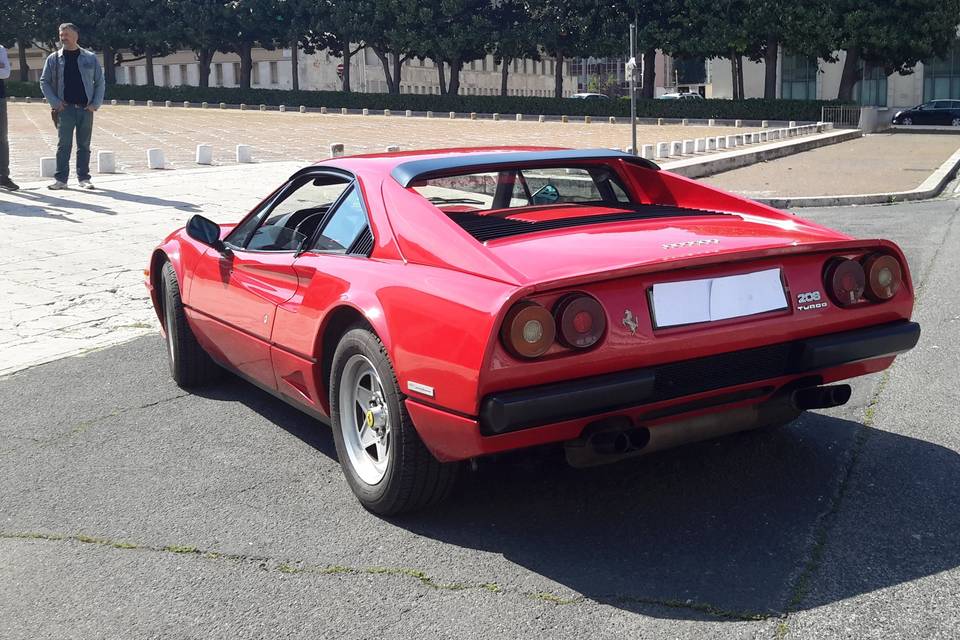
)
(736, 527)
(750, 525)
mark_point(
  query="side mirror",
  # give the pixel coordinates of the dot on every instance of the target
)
(547, 194)
(205, 231)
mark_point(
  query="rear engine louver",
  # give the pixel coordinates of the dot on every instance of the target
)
(489, 227)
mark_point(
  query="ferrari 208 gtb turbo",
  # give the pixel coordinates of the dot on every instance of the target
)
(437, 306)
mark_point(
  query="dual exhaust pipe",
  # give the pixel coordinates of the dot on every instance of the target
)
(616, 438)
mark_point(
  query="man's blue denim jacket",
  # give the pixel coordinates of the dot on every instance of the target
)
(51, 80)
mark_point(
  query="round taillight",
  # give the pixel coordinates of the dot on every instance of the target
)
(845, 281)
(884, 276)
(581, 320)
(528, 330)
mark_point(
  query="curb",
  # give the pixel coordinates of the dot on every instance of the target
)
(930, 188)
(718, 163)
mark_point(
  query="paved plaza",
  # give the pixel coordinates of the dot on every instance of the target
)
(130, 131)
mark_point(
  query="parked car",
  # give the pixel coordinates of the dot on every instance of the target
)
(590, 96)
(942, 112)
(437, 306)
(680, 96)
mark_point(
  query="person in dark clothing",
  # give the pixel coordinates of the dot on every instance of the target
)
(72, 82)
(5, 181)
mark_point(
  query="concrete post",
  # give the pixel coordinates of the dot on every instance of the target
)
(429, 114)
(244, 154)
(223, 105)
(336, 149)
(541, 119)
(676, 148)
(721, 142)
(792, 123)
(204, 105)
(712, 143)
(48, 167)
(612, 120)
(393, 148)
(155, 159)
(647, 151)
(263, 107)
(243, 106)
(344, 111)
(711, 122)
(764, 124)
(132, 103)
(663, 150)
(204, 154)
(303, 109)
(365, 112)
(519, 117)
(700, 145)
(149, 103)
(689, 147)
(738, 123)
(106, 162)
(283, 108)
(113, 103)
(587, 120)
(660, 122)
(186, 104)
(496, 117)
(564, 119)
(408, 113)
(473, 115)
(387, 112)
(685, 122)
(625, 150)
(453, 114)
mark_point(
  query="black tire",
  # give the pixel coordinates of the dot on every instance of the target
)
(190, 365)
(413, 478)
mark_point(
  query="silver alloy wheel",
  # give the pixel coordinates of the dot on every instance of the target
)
(364, 419)
(171, 348)
(908, 121)
(956, 122)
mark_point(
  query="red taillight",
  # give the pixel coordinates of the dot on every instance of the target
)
(845, 281)
(528, 330)
(580, 319)
(884, 276)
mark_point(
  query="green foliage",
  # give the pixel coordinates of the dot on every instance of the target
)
(753, 109)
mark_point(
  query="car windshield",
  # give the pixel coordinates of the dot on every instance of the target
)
(528, 187)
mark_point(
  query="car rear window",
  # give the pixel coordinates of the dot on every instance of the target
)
(529, 187)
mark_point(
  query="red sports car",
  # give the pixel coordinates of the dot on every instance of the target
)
(436, 306)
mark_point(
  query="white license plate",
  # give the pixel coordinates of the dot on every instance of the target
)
(711, 299)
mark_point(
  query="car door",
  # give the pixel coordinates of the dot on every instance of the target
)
(923, 114)
(235, 295)
(335, 260)
(940, 114)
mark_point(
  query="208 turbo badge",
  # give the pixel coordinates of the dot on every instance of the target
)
(810, 300)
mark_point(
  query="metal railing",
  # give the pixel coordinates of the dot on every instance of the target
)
(847, 117)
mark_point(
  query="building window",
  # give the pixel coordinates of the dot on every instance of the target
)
(871, 91)
(236, 73)
(255, 73)
(524, 65)
(483, 63)
(553, 68)
(218, 74)
(121, 75)
(798, 77)
(274, 73)
(941, 77)
(166, 75)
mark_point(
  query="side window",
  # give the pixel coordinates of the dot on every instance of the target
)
(286, 223)
(343, 226)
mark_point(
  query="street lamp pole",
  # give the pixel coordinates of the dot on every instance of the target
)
(633, 91)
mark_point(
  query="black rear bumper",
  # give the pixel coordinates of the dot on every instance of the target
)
(545, 404)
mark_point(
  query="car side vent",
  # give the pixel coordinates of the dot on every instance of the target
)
(489, 227)
(363, 245)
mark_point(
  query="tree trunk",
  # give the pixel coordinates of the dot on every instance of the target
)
(504, 72)
(740, 90)
(148, 61)
(246, 64)
(649, 72)
(558, 77)
(295, 63)
(109, 66)
(24, 68)
(770, 73)
(205, 57)
(733, 75)
(455, 67)
(850, 75)
(441, 76)
(346, 65)
(397, 70)
(386, 67)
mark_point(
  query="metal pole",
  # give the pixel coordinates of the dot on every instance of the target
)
(633, 92)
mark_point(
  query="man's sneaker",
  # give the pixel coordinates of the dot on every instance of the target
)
(8, 184)
(56, 186)
(86, 184)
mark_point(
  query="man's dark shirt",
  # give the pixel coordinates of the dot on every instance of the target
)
(73, 92)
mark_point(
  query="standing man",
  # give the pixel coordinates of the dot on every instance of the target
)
(72, 82)
(5, 181)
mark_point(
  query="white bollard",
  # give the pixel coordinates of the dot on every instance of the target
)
(48, 167)
(223, 105)
(496, 117)
(149, 103)
(343, 111)
(263, 107)
(685, 122)
(612, 120)
(473, 115)
(204, 154)
(647, 151)
(244, 153)
(28, 99)
(155, 159)
(564, 119)
(204, 105)
(763, 136)
(283, 108)
(721, 142)
(738, 123)
(393, 148)
(408, 113)
(764, 124)
(336, 149)
(541, 119)
(711, 143)
(711, 122)
(113, 103)
(660, 121)
(628, 150)
(792, 123)
(453, 115)
(186, 104)
(519, 117)
(429, 114)
(167, 103)
(587, 120)
(303, 109)
(365, 112)
(731, 142)
(106, 162)
(243, 106)
(701, 145)
(676, 148)
(387, 112)
(688, 147)
(663, 150)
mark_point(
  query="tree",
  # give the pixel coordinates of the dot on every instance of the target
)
(19, 26)
(207, 28)
(333, 25)
(460, 31)
(513, 36)
(893, 34)
(256, 22)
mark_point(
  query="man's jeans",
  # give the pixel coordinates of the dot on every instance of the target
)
(4, 143)
(73, 117)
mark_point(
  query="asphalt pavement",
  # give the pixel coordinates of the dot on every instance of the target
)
(130, 508)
